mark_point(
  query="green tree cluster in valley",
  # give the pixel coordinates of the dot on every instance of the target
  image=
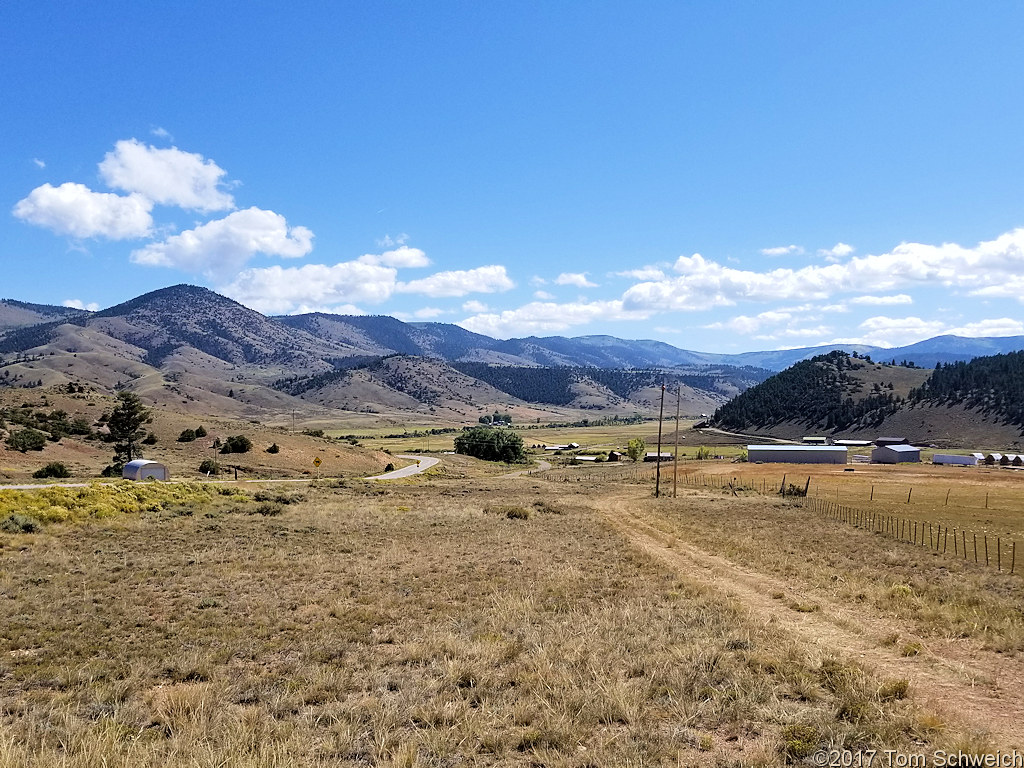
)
(491, 444)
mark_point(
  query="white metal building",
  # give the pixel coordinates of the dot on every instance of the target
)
(141, 469)
(797, 454)
(952, 458)
(895, 454)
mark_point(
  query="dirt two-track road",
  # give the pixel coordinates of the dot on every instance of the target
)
(957, 679)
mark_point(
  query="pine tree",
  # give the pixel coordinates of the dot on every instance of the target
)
(126, 424)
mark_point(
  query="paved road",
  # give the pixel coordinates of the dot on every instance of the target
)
(423, 464)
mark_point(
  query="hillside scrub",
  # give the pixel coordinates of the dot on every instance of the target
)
(61, 505)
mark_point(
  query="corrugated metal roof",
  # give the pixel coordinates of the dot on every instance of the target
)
(898, 448)
(811, 448)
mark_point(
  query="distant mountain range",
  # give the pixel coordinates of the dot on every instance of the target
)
(171, 317)
(188, 344)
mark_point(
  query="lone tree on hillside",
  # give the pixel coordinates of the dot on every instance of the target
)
(491, 444)
(126, 424)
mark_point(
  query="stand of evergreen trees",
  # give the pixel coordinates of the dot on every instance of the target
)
(993, 384)
(814, 392)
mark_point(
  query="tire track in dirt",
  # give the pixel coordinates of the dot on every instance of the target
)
(958, 680)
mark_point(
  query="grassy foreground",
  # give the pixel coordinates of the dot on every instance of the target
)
(409, 625)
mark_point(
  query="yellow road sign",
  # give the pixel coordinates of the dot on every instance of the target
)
(317, 462)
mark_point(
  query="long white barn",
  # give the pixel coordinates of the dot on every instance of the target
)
(797, 454)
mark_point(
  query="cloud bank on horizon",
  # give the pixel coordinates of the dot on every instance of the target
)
(822, 299)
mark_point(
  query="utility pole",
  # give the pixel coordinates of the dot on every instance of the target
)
(675, 458)
(657, 471)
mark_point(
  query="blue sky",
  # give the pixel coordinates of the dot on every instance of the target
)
(721, 176)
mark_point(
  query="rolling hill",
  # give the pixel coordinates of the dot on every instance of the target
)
(961, 404)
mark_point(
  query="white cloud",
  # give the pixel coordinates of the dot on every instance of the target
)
(644, 273)
(881, 301)
(336, 309)
(224, 245)
(390, 242)
(537, 280)
(547, 317)
(489, 279)
(578, 279)
(166, 176)
(399, 257)
(836, 252)
(884, 331)
(1003, 326)
(92, 306)
(39, 163)
(816, 332)
(747, 325)
(991, 268)
(427, 313)
(75, 210)
(279, 290)
(474, 306)
(543, 295)
(783, 250)
(161, 133)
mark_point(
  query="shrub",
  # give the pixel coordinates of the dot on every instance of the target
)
(209, 467)
(187, 436)
(547, 508)
(509, 511)
(150, 439)
(274, 448)
(200, 431)
(27, 440)
(269, 509)
(237, 444)
(17, 523)
(703, 453)
(390, 467)
(279, 498)
(53, 469)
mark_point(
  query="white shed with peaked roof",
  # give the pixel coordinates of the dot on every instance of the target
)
(895, 454)
(142, 469)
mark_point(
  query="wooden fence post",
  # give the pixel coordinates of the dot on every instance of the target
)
(947, 498)
(986, 548)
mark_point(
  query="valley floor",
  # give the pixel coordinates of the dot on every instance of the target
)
(521, 620)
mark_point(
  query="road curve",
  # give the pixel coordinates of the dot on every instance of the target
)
(423, 464)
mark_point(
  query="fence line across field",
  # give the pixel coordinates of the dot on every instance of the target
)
(985, 548)
(993, 550)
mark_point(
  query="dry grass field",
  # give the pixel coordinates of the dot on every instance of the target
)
(466, 618)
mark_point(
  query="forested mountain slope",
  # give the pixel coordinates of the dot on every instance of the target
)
(834, 392)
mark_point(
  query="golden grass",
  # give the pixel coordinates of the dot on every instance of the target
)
(401, 625)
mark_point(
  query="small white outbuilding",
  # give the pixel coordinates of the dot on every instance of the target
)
(952, 458)
(142, 469)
